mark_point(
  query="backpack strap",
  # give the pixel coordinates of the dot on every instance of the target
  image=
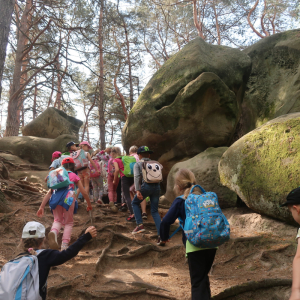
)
(200, 187)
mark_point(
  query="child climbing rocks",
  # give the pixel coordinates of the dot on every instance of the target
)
(200, 260)
(113, 179)
(63, 205)
(143, 190)
(33, 236)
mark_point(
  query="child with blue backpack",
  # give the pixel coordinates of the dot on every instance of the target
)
(25, 277)
(200, 259)
(63, 205)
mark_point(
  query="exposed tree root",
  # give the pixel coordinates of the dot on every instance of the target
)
(159, 295)
(100, 259)
(251, 286)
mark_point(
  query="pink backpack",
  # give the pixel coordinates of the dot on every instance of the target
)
(80, 159)
(95, 172)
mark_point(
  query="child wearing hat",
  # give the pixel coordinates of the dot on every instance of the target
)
(33, 236)
(293, 204)
(144, 190)
(63, 205)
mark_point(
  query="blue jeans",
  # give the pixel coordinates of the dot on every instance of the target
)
(151, 190)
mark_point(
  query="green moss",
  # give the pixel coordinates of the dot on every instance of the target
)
(271, 161)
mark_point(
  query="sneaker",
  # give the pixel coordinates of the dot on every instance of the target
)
(159, 242)
(138, 229)
(131, 218)
(144, 216)
(123, 207)
(99, 201)
(52, 240)
(64, 246)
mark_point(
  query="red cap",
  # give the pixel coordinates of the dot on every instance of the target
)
(67, 160)
(55, 155)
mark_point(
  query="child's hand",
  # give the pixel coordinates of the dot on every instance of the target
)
(89, 208)
(92, 230)
(40, 212)
(139, 195)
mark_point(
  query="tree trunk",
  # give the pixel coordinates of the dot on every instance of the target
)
(34, 99)
(15, 102)
(101, 80)
(6, 10)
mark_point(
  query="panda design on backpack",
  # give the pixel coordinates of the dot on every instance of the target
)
(205, 225)
(152, 171)
(19, 278)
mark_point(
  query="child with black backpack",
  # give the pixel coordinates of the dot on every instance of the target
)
(25, 277)
(63, 204)
(194, 208)
(147, 178)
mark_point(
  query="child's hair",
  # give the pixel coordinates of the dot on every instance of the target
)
(184, 181)
(145, 154)
(133, 149)
(32, 243)
(69, 166)
(116, 150)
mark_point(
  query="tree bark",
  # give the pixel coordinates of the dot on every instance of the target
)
(101, 79)
(196, 22)
(6, 10)
(14, 104)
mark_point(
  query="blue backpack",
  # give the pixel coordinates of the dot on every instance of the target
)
(205, 225)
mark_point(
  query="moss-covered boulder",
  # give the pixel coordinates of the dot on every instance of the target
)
(263, 166)
(191, 103)
(273, 88)
(51, 124)
(35, 149)
(205, 168)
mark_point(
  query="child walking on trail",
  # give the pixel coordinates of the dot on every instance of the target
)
(126, 182)
(63, 205)
(97, 181)
(33, 237)
(113, 179)
(293, 204)
(144, 190)
(85, 174)
(199, 260)
(133, 152)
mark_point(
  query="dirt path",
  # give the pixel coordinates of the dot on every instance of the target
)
(118, 265)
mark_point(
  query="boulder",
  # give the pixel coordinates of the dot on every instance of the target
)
(35, 149)
(263, 166)
(191, 103)
(51, 124)
(273, 88)
(205, 168)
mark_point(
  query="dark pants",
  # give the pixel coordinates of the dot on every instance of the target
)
(200, 263)
(119, 194)
(127, 182)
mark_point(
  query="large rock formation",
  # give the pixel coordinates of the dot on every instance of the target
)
(273, 88)
(263, 166)
(190, 104)
(51, 124)
(205, 168)
(35, 149)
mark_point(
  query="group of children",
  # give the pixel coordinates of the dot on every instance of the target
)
(135, 190)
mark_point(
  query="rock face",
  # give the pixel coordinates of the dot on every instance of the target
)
(190, 104)
(263, 166)
(51, 124)
(205, 168)
(273, 88)
(34, 149)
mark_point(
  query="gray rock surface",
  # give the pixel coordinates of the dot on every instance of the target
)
(51, 124)
(205, 168)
